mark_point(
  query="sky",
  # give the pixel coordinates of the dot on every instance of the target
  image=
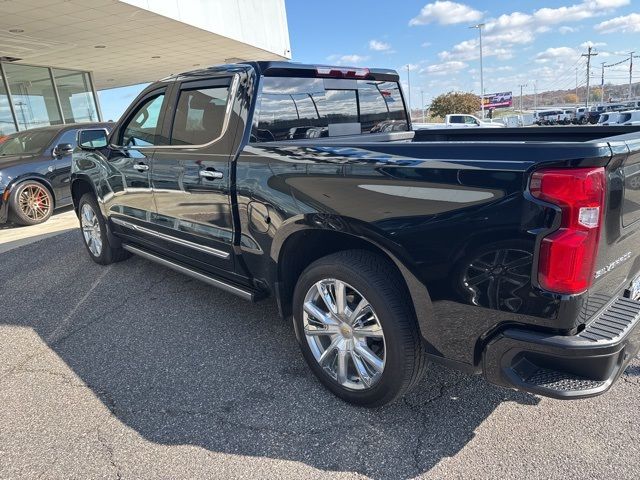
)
(534, 43)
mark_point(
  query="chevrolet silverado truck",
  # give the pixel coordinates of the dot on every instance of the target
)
(512, 253)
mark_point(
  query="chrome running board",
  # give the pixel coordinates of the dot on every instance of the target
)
(244, 294)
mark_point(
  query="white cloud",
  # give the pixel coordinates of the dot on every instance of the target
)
(445, 13)
(412, 67)
(557, 53)
(425, 44)
(445, 68)
(566, 29)
(625, 24)
(352, 59)
(507, 31)
(592, 44)
(379, 46)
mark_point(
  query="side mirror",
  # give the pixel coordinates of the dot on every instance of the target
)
(92, 139)
(62, 150)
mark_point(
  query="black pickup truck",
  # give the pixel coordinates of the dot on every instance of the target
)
(508, 252)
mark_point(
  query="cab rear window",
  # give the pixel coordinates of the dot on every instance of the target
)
(303, 108)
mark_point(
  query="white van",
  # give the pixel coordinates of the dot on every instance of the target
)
(609, 118)
(630, 117)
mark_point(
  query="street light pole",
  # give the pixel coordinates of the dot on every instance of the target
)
(480, 26)
(521, 87)
(630, 73)
(602, 84)
(409, 85)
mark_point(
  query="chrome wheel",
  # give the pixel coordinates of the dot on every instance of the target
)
(91, 229)
(344, 334)
(34, 202)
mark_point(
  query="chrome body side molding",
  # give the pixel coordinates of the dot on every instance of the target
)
(170, 238)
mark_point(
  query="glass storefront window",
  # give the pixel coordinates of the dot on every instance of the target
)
(33, 96)
(7, 125)
(76, 96)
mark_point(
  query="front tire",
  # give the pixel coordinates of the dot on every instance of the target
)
(356, 330)
(93, 229)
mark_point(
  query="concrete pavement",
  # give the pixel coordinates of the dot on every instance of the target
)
(13, 236)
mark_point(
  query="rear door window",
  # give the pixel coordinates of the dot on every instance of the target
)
(299, 108)
(200, 114)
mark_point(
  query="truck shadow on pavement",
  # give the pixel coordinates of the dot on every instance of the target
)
(182, 363)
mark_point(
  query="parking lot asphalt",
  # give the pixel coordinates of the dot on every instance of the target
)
(134, 371)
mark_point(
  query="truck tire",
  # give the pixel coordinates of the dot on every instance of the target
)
(356, 328)
(93, 230)
(30, 203)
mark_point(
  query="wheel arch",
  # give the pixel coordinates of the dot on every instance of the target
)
(79, 186)
(34, 178)
(303, 247)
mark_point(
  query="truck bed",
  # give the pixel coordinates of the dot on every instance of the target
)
(576, 133)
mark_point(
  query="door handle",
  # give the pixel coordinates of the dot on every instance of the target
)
(211, 174)
(141, 167)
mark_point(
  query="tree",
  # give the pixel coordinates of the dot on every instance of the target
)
(455, 102)
(595, 95)
(570, 98)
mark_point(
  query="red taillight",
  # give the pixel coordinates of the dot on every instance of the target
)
(342, 72)
(568, 255)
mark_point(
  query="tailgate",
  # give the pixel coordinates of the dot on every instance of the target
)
(618, 261)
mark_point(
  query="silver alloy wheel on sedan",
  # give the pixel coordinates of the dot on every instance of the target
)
(91, 229)
(344, 334)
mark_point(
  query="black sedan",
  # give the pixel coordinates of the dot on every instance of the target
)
(34, 172)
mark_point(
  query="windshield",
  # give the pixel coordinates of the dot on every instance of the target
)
(26, 143)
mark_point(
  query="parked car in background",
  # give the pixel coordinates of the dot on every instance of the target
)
(457, 120)
(35, 166)
(551, 117)
(630, 117)
(499, 254)
(608, 118)
(593, 115)
(581, 114)
(569, 116)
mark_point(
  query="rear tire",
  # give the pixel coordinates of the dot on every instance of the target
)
(30, 203)
(93, 230)
(387, 329)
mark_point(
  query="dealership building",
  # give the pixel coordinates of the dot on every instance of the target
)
(55, 54)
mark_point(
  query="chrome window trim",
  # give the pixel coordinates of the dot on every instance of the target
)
(170, 238)
(235, 82)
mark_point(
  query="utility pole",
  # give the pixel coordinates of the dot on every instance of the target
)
(602, 84)
(535, 94)
(630, 73)
(422, 103)
(480, 26)
(588, 55)
(521, 87)
(409, 85)
(577, 99)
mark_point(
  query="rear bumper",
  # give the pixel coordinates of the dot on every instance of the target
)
(567, 367)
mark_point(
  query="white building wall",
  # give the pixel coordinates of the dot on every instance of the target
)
(261, 23)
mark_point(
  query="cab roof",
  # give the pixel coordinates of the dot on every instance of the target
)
(292, 69)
